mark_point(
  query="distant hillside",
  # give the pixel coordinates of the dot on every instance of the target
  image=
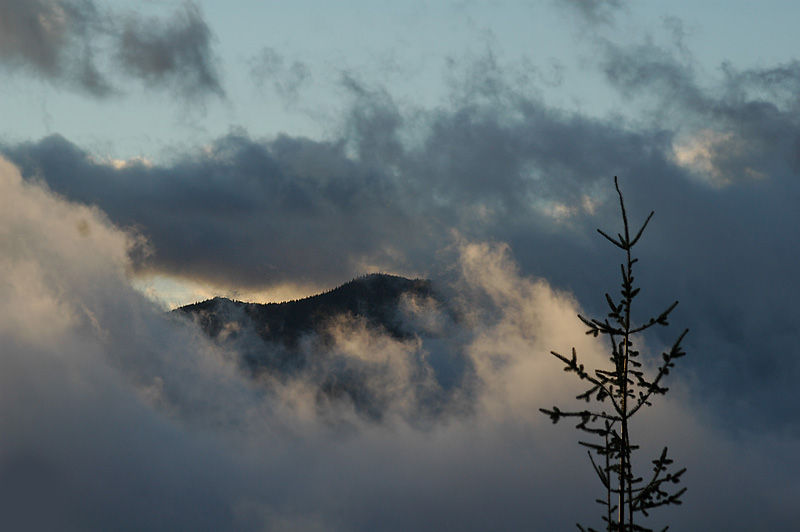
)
(374, 297)
(293, 340)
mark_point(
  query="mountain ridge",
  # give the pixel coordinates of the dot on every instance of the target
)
(374, 297)
(308, 339)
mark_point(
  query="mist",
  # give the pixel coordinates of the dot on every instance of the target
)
(117, 416)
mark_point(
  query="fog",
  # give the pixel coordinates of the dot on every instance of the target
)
(117, 416)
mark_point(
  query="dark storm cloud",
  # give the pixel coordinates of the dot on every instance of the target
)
(747, 119)
(262, 212)
(737, 133)
(78, 44)
(244, 212)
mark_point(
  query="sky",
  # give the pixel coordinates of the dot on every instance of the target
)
(162, 152)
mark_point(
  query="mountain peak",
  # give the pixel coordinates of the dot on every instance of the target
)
(374, 297)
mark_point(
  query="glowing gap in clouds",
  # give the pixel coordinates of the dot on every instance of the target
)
(170, 292)
(707, 153)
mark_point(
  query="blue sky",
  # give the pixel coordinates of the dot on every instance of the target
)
(280, 64)
(161, 152)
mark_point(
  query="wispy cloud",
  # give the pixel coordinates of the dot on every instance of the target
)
(87, 47)
(270, 68)
(593, 11)
(175, 53)
(54, 40)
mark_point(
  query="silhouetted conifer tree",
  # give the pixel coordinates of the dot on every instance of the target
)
(617, 393)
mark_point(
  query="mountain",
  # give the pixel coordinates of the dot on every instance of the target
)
(374, 298)
(301, 340)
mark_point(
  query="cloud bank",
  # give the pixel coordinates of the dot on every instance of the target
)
(114, 415)
(397, 185)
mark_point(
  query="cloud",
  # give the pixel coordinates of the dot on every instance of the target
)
(736, 129)
(80, 45)
(285, 197)
(118, 418)
(394, 186)
(268, 67)
(72, 425)
(593, 11)
(54, 40)
(750, 113)
(390, 188)
(175, 54)
(115, 416)
(712, 155)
